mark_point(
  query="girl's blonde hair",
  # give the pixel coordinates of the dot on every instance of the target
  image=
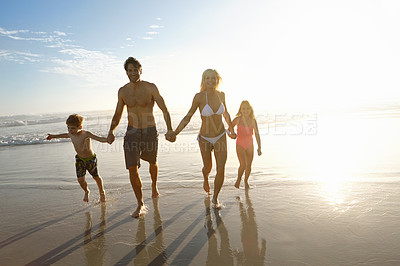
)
(242, 104)
(203, 78)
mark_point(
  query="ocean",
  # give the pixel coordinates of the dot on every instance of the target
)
(299, 145)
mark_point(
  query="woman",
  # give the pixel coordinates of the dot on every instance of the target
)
(212, 135)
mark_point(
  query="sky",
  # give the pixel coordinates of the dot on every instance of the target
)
(308, 55)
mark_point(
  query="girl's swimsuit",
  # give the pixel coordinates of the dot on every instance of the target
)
(207, 111)
(244, 136)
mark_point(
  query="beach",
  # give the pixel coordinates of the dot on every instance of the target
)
(331, 214)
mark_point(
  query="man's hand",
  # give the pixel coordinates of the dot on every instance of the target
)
(259, 152)
(110, 138)
(170, 136)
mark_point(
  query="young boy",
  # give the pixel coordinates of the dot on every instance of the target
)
(85, 157)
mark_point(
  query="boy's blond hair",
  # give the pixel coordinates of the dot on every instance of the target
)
(75, 120)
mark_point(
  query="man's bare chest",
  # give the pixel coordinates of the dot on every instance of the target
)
(138, 97)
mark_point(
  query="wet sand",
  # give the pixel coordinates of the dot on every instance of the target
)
(279, 221)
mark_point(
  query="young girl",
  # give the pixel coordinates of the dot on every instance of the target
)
(246, 125)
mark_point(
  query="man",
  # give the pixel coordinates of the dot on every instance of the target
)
(141, 139)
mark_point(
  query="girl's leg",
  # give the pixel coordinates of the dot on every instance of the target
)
(242, 164)
(99, 182)
(84, 186)
(220, 153)
(249, 160)
(205, 149)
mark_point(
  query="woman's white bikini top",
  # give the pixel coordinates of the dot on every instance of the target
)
(207, 111)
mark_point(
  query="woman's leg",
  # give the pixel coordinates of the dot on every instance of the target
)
(220, 153)
(205, 149)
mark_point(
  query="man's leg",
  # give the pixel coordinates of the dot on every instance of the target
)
(136, 183)
(153, 169)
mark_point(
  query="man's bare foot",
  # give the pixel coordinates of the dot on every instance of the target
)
(246, 185)
(237, 184)
(141, 210)
(102, 196)
(86, 197)
(206, 187)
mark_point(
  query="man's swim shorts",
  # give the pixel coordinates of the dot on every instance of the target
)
(140, 143)
(83, 164)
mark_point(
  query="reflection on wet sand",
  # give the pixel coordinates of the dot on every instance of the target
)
(157, 248)
(142, 257)
(223, 256)
(94, 248)
(252, 254)
(145, 255)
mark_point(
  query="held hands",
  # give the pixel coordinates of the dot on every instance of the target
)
(49, 136)
(110, 138)
(170, 136)
(232, 135)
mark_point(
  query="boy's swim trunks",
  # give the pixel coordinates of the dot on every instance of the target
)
(83, 164)
(140, 143)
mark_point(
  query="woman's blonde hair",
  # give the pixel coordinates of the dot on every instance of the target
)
(203, 78)
(242, 104)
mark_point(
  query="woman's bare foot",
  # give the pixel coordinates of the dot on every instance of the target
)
(216, 204)
(206, 187)
(86, 197)
(237, 184)
(246, 185)
(141, 210)
(102, 196)
(155, 193)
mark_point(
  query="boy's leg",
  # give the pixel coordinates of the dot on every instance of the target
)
(99, 182)
(84, 186)
(242, 164)
(153, 169)
(136, 184)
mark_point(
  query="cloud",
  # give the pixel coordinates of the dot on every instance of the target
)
(156, 27)
(59, 33)
(55, 39)
(95, 67)
(152, 32)
(19, 57)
